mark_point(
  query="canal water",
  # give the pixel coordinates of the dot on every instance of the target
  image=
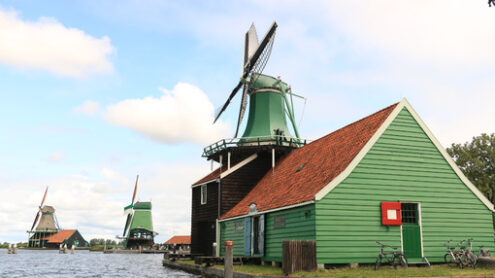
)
(49, 263)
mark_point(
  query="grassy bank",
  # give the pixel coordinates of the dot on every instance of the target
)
(368, 271)
(102, 247)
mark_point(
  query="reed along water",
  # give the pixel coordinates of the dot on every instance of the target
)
(49, 263)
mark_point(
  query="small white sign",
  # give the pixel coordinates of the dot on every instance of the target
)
(391, 214)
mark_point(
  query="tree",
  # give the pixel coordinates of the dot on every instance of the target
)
(476, 159)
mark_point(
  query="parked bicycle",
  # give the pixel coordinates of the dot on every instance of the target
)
(452, 257)
(484, 252)
(394, 257)
(468, 258)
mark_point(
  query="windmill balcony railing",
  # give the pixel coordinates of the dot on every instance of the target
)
(270, 140)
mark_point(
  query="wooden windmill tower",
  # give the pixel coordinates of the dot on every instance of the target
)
(245, 159)
(47, 225)
(138, 229)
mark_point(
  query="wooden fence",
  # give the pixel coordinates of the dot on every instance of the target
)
(298, 255)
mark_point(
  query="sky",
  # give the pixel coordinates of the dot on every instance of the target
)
(94, 93)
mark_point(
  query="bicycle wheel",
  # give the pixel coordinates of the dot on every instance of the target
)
(449, 260)
(378, 262)
(472, 260)
(403, 262)
(462, 260)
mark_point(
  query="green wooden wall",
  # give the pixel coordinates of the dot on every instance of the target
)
(299, 224)
(403, 165)
(228, 232)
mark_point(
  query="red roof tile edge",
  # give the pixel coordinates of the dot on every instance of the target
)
(179, 240)
(60, 236)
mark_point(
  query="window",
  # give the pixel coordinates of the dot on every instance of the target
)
(409, 213)
(203, 194)
(239, 226)
(279, 221)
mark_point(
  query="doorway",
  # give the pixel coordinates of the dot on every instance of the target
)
(411, 230)
(256, 235)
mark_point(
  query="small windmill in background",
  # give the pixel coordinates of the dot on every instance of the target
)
(138, 229)
(46, 224)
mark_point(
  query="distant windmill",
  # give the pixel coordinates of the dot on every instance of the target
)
(138, 229)
(47, 224)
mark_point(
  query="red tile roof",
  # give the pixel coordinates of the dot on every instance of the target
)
(211, 176)
(60, 236)
(323, 160)
(179, 240)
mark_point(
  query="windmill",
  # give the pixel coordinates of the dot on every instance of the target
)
(46, 224)
(138, 229)
(270, 103)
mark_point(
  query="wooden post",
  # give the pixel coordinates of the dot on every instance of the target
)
(229, 259)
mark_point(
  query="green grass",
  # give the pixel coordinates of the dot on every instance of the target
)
(102, 247)
(412, 271)
(366, 271)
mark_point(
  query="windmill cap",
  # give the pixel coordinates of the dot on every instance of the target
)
(142, 205)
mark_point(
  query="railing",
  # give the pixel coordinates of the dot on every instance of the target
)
(276, 140)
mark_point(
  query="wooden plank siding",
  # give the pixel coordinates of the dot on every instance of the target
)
(233, 188)
(203, 219)
(299, 224)
(228, 232)
(403, 165)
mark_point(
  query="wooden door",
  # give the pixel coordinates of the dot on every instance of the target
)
(411, 230)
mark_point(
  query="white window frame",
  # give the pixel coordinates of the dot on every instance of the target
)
(204, 192)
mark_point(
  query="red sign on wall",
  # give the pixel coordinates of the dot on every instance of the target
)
(391, 214)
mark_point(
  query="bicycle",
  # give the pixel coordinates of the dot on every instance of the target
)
(452, 257)
(392, 257)
(484, 252)
(467, 255)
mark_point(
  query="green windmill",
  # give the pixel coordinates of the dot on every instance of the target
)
(138, 230)
(271, 103)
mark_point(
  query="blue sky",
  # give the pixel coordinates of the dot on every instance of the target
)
(95, 92)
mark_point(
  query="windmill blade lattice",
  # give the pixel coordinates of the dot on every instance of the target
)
(258, 61)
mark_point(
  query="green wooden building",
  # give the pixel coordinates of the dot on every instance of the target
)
(334, 190)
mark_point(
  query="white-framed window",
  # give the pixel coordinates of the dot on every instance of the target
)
(203, 194)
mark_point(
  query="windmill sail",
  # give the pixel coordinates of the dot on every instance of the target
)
(253, 64)
(36, 218)
(135, 190)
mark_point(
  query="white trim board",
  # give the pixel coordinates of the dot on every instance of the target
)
(229, 171)
(267, 211)
(404, 103)
(203, 183)
(239, 165)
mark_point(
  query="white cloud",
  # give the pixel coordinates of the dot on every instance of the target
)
(88, 107)
(112, 175)
(48, 45)
(447, 33)
(184, 114)
(54, 157)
